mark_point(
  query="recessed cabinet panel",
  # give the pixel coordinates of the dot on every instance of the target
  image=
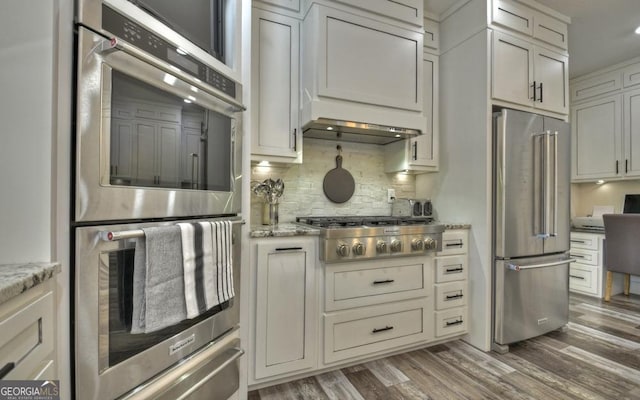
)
(512, 69)
(596, 85)
(275, 82)
(513, 16)
(550, 30)
(632, 133)
(631, 75)
(552, 78)
(597, 138)
(370, 62)
(286, 305)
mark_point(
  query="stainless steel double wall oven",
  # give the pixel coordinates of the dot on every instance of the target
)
(157, 141)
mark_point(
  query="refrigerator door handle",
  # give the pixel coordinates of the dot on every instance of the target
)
(540, 197)
(552, 182)
(516, 267)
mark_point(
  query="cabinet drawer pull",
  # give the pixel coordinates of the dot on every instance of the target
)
(577, 255)
(454, 296)
(457, 244)
(288, 248)
(8, 367)
(384, 281)
(457, 322)
(453, 270)
(626, 166)
(295, 139)
(576, 277)
(386, 328)
(415, 151)
(578, 241)
(617, 170)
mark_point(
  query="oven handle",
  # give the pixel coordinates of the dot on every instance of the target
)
(112, 44)
(112, 236)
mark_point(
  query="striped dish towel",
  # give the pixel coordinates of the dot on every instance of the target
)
(208, 265)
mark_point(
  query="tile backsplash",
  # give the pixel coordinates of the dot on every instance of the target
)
(303, 193)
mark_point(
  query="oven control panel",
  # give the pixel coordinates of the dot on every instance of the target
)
(377, 247)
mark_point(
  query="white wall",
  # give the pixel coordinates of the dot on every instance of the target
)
(303, 194)
(586, 195)
(26, 77)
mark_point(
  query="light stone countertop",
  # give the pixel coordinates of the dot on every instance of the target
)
(283, 230)
(456, 225)
(18, 278)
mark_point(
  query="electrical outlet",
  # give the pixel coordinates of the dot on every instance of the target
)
(391, 195)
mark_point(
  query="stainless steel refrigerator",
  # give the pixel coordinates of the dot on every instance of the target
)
(531, 225)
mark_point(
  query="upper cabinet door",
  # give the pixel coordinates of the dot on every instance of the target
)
(512, 69)
(552, 81)
(275, 83)
(511, 15)
(632, 133)
(550, 30)
(596, 139)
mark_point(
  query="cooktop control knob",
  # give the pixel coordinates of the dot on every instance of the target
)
(417, 245)
(359, 249)
(381, 246)
(343, 250)
(396, 246)
(430, 243)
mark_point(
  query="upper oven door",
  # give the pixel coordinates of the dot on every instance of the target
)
(151, 141)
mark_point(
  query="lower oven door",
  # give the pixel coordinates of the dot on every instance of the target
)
(110, 361)
(212, 373)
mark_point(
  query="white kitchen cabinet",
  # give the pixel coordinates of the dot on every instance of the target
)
(586, 275)
(420, 154)
(631, 75)
(360, 69)
(431, 34)
(292, 5)
(529, 75)
(520, 18)
(596, 128)
(451, 286)
(631, 134)
(408, 11)
(370, 307)
(27, 323)
(286, 315)
(275, 85)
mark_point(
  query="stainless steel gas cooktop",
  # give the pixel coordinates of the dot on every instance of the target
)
(353, 238)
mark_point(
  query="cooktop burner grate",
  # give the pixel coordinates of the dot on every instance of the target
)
(356, 221)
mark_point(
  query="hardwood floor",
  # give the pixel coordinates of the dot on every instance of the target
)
(598, 357)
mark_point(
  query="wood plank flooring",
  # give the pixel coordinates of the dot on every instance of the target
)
(598, 358)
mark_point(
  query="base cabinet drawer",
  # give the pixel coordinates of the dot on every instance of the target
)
(454, 242)
(450, 322)
(588, 241)
(589, 257)
(450, 295)
(361, 284)
(366, 330)
(583, 279)
(451, 268)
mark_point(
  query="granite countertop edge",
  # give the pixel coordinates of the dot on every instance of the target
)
(282, 230)
(293, 229)
(16, 279)
(456, 225)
